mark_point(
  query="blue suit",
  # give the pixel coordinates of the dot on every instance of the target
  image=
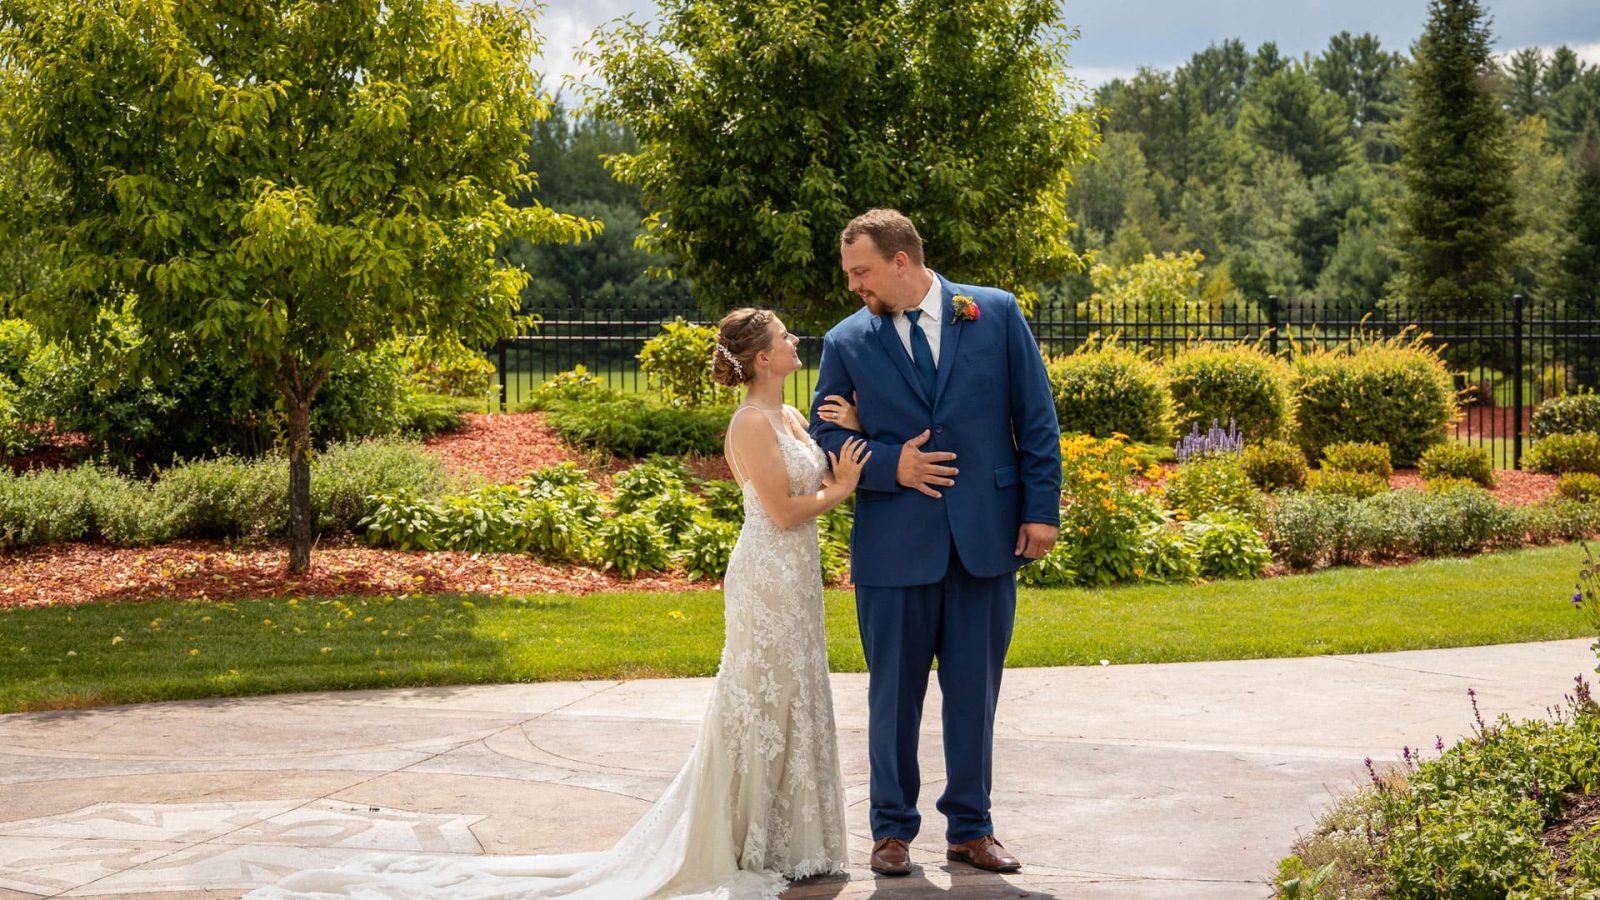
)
(935, 579)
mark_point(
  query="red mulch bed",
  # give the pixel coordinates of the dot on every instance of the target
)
(204, 570)
(505, 447)
(1510, 485)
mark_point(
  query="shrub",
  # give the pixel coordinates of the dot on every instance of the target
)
(1241, 384)
(1446, 483)
(1580, 486)
(631, 428)
(706, 547)
(1106, 529)
(345, 476)
(673, 512)
(554, 530)
(1299, 526)
(447, 367)
(1274, 465)
(1561, 453)
(227, 497)
(1054, 569)
(630, 542)
(658, 477)
(1227, 545)
(1567, 414)
(405, 521)
(575, 386)
(1357, 485)
(1398, 391)
(1213, 484)
(724, 501)
(1166, 557)
(488, 520)
(1358, 457)
(1461, 521)
(678, 362)
(1455, 461)
(1557, 519)
(1104, 389)
(550, 478)
(424, 415)
(50, 507)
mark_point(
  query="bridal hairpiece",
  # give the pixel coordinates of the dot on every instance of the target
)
(732, 360)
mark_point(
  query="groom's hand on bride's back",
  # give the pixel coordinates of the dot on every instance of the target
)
(924, 471)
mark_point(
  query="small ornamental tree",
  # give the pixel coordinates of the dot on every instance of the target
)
(281, 182)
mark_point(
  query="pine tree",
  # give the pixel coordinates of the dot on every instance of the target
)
(1458, 216)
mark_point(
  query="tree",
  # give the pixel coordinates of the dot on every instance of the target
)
(1579, 278)
(765, 126)
(1368, 78)
(1525, 83)
(285, 183)
(1289, 113)
(1459, 214)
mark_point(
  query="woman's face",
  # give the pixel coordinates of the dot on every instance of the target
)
(783, 350)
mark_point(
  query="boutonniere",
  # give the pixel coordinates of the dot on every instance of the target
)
(966, 308)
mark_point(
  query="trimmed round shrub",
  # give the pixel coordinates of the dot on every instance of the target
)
(1242, 384)
(1358, 457)
(1455, 461)
(1561, 453)
(1567, 414)
(1580, 486)
(1104, 389)
(1337, 482)
(1395, 391)
(1275, 465)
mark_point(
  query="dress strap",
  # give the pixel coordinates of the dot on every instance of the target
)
(727, 444)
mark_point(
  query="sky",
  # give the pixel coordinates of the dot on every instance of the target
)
(1119, 36)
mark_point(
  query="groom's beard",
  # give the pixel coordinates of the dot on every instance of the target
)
(876, 306)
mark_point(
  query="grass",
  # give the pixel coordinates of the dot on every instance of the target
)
(80, 656)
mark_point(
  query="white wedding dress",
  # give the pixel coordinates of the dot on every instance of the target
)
(760, 801)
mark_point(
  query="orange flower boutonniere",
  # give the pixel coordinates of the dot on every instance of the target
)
(966, 308)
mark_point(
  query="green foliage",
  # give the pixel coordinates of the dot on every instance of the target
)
(678, 362)
(1562, 453)
(1240, 384)
(554, 527)
(405, 521)
(724, 501)
(1211, 484)
(425, 415)
(346, 475)
(447, 367)
(1340, 483)
(751, 210)
(1567, 414)
(673, 511)
(227, 497)
(1456, 461)
(632, 428)
(1054, 569)
(658, 477)
(1162, 289)
(631, 542)
(295, 199)
(1358, 457)
(1289, 113)
(1169, 557)
(1274, 465)
(1557, 519)
(1106, 532)
(705, 548)
(573, 386)
(1458, 214)
(1396, 391)
(1580, 486)
(1227, 545)
(1104, 389)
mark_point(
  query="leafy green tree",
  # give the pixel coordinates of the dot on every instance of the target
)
(1540, 183)
(1289, 113)
(764, 127)
(286, 183)
(1156, 289)
(1459, 215)
(1369, 79)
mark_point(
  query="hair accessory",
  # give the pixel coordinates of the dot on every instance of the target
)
(732, 360)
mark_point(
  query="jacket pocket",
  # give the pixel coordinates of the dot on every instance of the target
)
(1005, 476)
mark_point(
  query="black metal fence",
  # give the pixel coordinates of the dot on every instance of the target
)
(1507, 358)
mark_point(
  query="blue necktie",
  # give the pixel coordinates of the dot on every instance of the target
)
(921, 353)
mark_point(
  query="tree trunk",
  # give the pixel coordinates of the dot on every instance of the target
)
(299, 428)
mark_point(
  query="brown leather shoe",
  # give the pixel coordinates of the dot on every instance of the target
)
(891, 856)
(984, 853)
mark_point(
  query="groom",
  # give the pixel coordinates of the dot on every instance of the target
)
(962, 489)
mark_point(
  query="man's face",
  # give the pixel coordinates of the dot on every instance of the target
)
(879, 282)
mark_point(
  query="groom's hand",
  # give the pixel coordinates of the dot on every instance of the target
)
(922, 470)
(1035, 539)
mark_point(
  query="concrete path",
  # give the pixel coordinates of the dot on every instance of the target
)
(1162, 781)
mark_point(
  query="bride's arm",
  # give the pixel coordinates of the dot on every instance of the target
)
(756, 445)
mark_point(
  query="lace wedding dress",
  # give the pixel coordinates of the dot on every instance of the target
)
(760, 801)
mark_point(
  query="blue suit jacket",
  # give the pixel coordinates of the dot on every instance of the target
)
(992, 408)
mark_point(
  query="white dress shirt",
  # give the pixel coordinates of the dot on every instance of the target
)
(932, 305)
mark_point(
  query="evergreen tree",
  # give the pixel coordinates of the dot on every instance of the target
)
(1459, 215)
(1578, 284)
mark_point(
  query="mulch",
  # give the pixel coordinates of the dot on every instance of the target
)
(498, 447)
(1580, 815)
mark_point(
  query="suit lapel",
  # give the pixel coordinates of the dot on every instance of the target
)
(949, 335)
(890, 339)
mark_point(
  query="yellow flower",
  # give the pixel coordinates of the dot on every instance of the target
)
(194, 651)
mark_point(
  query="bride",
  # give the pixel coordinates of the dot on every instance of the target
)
(761, 800)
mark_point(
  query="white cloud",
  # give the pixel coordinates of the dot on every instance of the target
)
(564, 32)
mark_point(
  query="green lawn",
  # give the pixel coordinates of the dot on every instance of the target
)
(66, 657)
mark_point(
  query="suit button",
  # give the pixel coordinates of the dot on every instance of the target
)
(938, 429)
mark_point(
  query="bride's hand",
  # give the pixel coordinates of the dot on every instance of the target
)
(841, 412)
(848, 462)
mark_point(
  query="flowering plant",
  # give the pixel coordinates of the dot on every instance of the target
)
(965, 307)
(1587, 597)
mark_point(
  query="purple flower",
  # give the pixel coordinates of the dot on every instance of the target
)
(1577, 598)
(1438, 743)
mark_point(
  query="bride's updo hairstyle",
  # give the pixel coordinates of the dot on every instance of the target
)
(740, 336)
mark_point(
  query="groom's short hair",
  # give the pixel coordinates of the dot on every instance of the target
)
(890, 231)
